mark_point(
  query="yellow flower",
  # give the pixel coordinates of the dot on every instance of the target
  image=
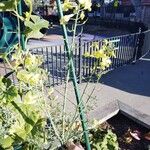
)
(99, 54)
(65, 19)
(106, 42)
(82, 15)
(67, 5)
(95, 45)
(33, 61)
(106, 62)
(23, 75)
(86, 54)
(112, 54)
(28, 77)
(86, 4)
(28, 15)
(29, 98)
(34, 79)
(95, 123)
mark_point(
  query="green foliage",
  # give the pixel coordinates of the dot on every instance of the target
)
(29, 121)
(8, 5)
(8, 92)
(31, 73)
(7, 118)
(103, 138)
(67, 5)
(77, 10)
(34, 25)
(30, 116)
(102, 54)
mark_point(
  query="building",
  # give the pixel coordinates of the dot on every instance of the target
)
(146, 12)
(142, 9)
(126, 2)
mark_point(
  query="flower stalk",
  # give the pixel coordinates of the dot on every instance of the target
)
(74, 79)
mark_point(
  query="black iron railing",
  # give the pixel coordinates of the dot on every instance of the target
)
(128, 49)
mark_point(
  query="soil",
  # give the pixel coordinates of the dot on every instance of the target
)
(121, 124)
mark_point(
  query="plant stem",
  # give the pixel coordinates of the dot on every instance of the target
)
(75, 30)
(64, 105)
(81, 99)
(52, 123)
(21, 38)
(74, 79)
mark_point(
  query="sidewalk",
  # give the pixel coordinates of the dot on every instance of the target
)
(91, 32)
(126, 89)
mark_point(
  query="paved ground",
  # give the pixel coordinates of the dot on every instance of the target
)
(90, 32)
(126, 89)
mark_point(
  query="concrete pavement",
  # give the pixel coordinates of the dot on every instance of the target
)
(91, 32)
(126, 89)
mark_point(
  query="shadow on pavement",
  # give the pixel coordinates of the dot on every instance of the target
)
(134, 78)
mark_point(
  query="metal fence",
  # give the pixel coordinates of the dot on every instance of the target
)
(128, 49)
(110, 12)
(119, 17)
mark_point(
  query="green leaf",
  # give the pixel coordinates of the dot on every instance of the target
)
(8, 91)
(12, 93)
(32, 62)
(8, 5)
(104, 140)
(7, 82)
(30, 97)
(6, 142)
(28, 112)
(37, 129)
(34, 25)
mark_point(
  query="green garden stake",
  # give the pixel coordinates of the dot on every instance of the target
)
(74, 80)
(22, 36)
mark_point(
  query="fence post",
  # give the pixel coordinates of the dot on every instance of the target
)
(141, 43)
(22, 36)
(137, 47)
(80, 59)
